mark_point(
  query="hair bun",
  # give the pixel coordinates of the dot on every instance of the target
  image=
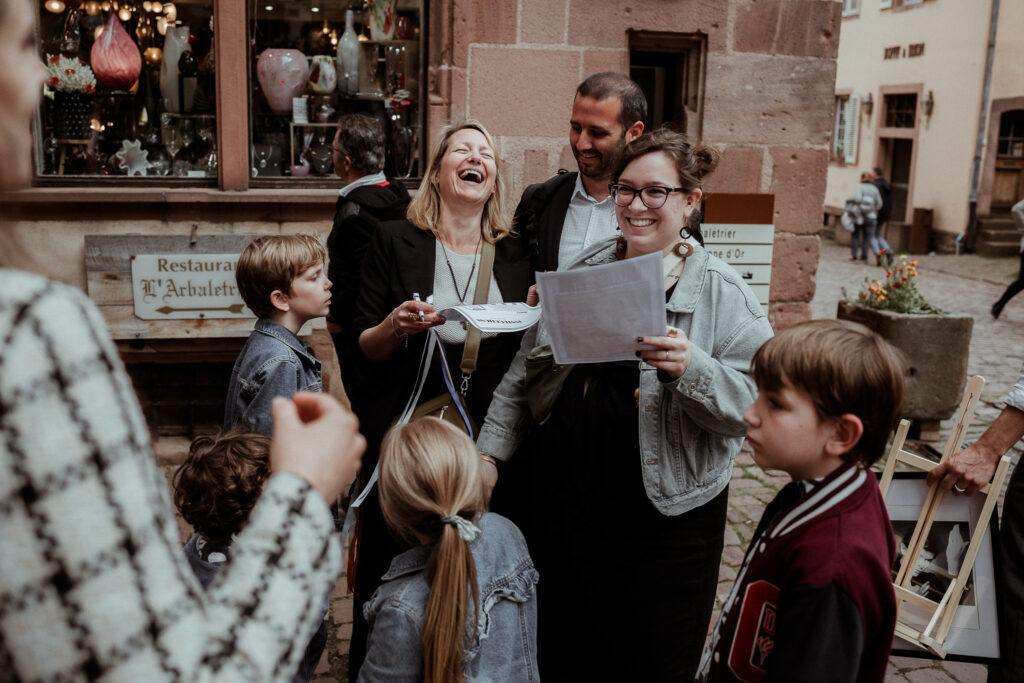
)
(707, 160)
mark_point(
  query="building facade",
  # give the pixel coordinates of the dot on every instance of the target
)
(921, 94)
(229, 154)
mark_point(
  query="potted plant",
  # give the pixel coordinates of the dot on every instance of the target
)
(936, 344)
(74, 83)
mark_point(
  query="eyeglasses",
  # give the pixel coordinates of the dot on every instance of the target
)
(652, 196)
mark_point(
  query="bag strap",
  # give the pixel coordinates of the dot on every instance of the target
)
(483, 284)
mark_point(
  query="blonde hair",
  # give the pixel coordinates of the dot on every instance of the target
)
(272, 262)
(429, 470)
(425, 208)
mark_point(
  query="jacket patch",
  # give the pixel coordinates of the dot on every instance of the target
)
(755, 632)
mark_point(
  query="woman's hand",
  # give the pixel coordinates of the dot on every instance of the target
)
(671, 355)
(317, 439)
(406, 318)
(532, 296)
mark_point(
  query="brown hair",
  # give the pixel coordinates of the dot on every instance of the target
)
(865, 177)
(425, 207)
(693, 164)
(272, 262)
(429, 470)
(220, 481)
(843, 367)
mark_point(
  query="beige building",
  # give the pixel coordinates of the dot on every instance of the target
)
(920, 94)
(755, 79)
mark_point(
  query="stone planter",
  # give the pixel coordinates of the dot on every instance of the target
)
(936, 347)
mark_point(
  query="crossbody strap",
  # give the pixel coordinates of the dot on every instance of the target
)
(483, 284)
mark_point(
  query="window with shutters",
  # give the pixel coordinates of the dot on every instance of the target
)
(845, 133)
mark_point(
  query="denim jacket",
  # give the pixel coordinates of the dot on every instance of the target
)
(272, 363)
(505, 647)
(691, 428)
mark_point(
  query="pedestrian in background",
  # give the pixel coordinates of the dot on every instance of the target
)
(884, 213)
(870, 201)
(1017, 285)
(367, 199)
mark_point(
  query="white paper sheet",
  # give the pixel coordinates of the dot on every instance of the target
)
(510, 317)
(595, 314)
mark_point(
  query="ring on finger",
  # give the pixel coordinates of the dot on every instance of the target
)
(956, 487)
(411, 316)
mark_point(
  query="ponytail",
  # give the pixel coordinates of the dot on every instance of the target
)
(431, 490)
(445, 637)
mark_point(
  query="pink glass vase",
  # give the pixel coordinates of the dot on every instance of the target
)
(282, 75)
(116, 60)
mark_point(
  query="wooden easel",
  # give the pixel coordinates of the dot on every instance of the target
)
(933, 636)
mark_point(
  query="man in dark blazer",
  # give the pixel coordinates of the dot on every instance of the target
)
(571, 211)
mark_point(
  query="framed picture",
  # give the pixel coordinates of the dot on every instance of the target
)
(974, 634)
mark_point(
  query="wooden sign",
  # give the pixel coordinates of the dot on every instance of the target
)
(186, 286)
(144, 284)
(738, 228)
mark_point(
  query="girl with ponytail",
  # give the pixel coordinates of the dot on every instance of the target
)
(460, 605)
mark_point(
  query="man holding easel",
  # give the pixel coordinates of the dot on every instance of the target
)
(965, 473)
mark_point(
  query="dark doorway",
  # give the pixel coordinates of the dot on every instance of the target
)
(1008, 185)
(897, 154)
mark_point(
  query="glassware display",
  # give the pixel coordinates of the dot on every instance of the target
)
(100, 119)
(377, 72)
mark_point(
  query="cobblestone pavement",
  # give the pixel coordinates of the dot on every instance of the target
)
(958, 284)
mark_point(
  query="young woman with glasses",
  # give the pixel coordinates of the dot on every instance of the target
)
(629, 495)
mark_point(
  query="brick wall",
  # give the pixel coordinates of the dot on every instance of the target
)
(770, 78)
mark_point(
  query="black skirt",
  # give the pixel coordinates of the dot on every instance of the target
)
(626, 593)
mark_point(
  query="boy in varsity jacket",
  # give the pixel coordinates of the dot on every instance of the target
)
(813, 600)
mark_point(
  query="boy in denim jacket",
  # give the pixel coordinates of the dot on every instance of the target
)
(814, 600)
(282, 279)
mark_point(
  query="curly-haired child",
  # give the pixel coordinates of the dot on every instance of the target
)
(215, 490)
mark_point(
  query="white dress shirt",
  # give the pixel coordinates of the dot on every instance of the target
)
(587, 221)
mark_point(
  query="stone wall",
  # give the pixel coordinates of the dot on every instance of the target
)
(769, 84)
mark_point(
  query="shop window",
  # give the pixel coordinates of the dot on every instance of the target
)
(669, 68)
(130, 92)
(315, 61)
(1011, 134)
(901, 110)
(846, 128)
(851, 8)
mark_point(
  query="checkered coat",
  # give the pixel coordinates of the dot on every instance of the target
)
(93, 583)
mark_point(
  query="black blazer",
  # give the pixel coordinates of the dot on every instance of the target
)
(400, 262)
(540, 216)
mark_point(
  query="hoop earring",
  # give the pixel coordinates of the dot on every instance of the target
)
(684, 234)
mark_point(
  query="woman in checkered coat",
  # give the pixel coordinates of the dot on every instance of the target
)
(93, 583)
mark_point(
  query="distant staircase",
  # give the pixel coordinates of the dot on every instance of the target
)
(997, 235)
